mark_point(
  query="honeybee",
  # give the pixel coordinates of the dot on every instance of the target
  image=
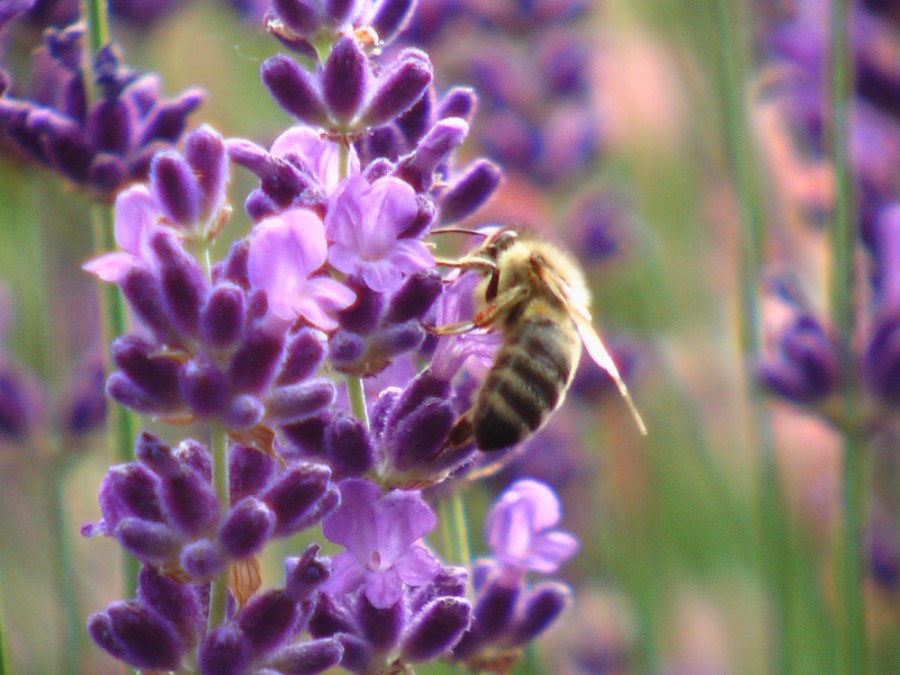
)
(535, 295)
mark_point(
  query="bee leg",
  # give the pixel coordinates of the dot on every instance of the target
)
(502, 303)
(456, 328)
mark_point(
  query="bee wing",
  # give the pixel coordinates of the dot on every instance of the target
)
(593, 344)
(600, 355)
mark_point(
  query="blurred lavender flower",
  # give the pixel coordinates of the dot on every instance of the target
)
(102, 147)
(507, 613)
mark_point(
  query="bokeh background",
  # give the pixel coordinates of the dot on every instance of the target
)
(615, 123)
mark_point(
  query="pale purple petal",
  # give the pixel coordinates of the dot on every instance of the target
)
(411, 255)
(343, 258)
(353, 524)
(392, 202)
(327, 297)
(383, 589)
(137, 214)
(346, 575)
(542, 501)
(550, 550)
(417, 566)
(403, 518)
(509, 530)
(381, 276)
(111, 266)
(344, 220)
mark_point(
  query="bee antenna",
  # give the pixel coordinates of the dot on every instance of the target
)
(460, 230)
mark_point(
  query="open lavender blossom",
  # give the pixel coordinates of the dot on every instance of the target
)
(388, 598)
(508, 613)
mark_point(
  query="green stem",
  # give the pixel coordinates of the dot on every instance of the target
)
(4, 655)
(218, 447)
(774, 543)
(97, 24)
(357, 393)
(843, 284)
(64, 566)
(455, 529)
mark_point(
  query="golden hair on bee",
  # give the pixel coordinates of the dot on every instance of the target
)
(533, 293)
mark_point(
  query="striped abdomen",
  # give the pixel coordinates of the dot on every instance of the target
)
(530, 375)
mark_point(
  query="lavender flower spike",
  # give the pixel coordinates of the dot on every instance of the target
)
(380, 534)
(520, 530)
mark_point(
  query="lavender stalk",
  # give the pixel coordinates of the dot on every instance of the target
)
(843, 285)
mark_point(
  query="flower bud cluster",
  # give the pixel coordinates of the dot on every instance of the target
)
(165, 626)
(101, 146)
(164, 510)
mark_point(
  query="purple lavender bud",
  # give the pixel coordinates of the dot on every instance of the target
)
(299, 401)
(357, 653)
(176, 188)
(111, 125)
(448, 582)
(107, 173)
(157, 390)
(423, 220)
(295, 494)
(433, 151)
(348, 447)
(391, 17)
(542, 607)
(458, 102)
(190, 503)
(422, 388)
(340, 11)
(417, 121)
(203, 560)
(149, 542)
(305, 574)
(308, 436)
(224, 652)
(247, 528)
(175, 602)
(168, 120)
(203, 386)
(308, 658)
(380, 627)
(345, 349)
(244, 412)
(881, 363)
(436, 629)
(155, 454)
(295, 90)
(253, 365)
(144, 294)
(260, 205)
(471, 191)
(495, 607)
(329, 618)
(20, 404)
(415, 297)
(205, 152)
(249, 471)
(304, 353)
(267, 620)
(142, 638)
(234, 267)
(85, 405)
(68, 151)
(345, 79)
(383, 410)
(363, 315)
(299, 16)
(398, 89)
(380, 167)
(193, 454)
(222, 317)
(184, 284)
(395, 340)
(806, 369)
(100, 628)
(129, 490)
